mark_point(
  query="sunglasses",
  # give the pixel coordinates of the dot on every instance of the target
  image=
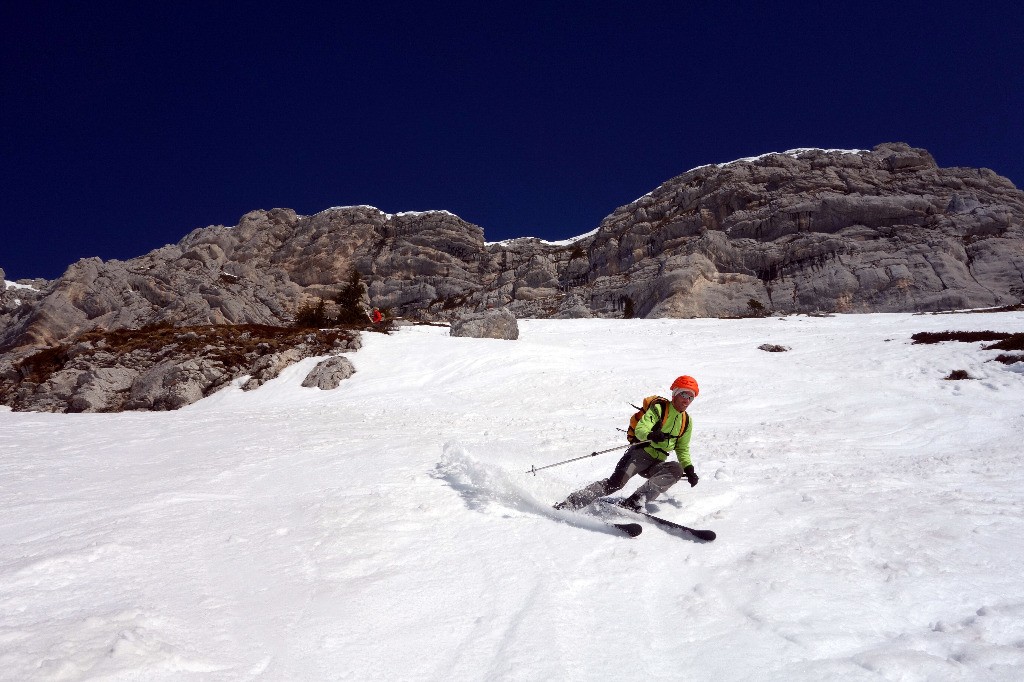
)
(688, 396)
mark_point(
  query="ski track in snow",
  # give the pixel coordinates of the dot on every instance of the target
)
(869, 515)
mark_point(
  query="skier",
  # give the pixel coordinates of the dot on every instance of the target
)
(377, 317)
(664, 432)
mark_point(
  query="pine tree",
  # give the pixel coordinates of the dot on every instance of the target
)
(351, 300)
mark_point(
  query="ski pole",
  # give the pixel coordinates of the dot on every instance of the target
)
(533, 470)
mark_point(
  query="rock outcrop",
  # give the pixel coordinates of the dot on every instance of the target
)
(20, 295)
(813, 230)
(161, 367)
(801, 231)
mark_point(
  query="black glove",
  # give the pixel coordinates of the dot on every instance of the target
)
(656, 435)
(691, 475)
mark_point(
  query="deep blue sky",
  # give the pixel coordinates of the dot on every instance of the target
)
(126, 125)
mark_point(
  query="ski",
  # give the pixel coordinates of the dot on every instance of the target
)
(700, 534)
(703, 535)
(630, 529)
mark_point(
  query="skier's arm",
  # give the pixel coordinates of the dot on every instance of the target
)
(683, 444)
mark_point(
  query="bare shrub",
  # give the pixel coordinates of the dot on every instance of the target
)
(312, 315)
(756, 309)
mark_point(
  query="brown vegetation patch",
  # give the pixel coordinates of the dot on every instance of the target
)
(967, 337)
(1008, 359)
(1004, 341)
(1011, 342)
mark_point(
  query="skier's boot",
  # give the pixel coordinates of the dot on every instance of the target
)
(633, 503)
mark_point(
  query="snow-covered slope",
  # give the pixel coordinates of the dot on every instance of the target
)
(869, 515)
(563, 242)
(14, 285)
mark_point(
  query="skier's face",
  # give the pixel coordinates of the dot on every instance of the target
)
(682, 400)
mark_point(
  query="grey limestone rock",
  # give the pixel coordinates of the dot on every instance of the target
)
(329, 373)
(269, 366)
(173, 384)
(99, 389)
(492, 324)
(571, 307)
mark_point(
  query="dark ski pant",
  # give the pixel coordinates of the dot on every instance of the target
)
(660, 477)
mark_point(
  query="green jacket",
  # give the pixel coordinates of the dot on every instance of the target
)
(679, 442)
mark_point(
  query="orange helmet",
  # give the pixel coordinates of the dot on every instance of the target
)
(687, 383)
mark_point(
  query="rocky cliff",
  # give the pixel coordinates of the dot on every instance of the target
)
(800, 231)
(812, 230)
